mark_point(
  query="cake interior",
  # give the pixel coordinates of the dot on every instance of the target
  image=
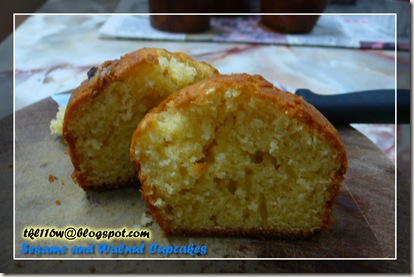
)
(104, 124)
(245, 166)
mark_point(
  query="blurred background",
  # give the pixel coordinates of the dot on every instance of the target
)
(401, 7)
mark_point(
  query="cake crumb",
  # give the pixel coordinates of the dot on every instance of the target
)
(57, 202)
(10, 166)
(19, 265)
(146, 219)
(92, 269)
(52, 178)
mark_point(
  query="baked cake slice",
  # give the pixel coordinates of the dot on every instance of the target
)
(104, 111)
(235, 155)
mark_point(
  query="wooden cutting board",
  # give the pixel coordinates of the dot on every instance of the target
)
(365, 224)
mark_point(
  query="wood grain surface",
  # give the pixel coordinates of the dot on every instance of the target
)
(363, 238)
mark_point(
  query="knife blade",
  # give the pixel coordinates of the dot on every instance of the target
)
(371, 106)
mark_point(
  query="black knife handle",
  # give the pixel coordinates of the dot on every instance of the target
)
(371, 106)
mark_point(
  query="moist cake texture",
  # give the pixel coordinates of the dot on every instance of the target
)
(234, 155)
(104, 111)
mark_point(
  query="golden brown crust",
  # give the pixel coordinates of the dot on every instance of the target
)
(296, 108)
(106, 74)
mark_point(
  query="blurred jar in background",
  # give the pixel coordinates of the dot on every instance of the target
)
(291, 23)
(231, 6)
(181, 23)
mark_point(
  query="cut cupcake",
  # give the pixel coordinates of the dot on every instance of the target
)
(234, 155)
(104, 111)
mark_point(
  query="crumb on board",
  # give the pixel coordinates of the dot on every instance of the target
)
(57, 202)
(52, 178)
(91, 269)
(10, 166)
(146, 219)
(19, 265)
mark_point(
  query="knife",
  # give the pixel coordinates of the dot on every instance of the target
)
(371, 106)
